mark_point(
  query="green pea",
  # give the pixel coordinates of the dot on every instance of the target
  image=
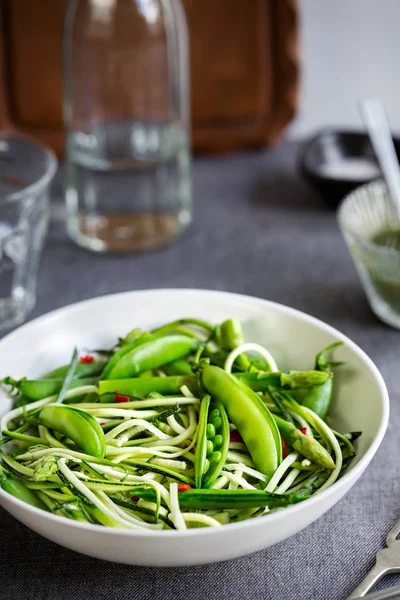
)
(210, 447)
(217, 422)
(210, 431)
(206, 465)
(215, 457)
(217, 441)
(214, 413)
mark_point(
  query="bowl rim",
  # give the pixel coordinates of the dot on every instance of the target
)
(250, 523)
(371, 187)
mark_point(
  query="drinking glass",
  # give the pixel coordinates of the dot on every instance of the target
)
(366, 216)
(26, 170)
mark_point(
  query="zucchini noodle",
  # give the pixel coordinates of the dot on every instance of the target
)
(250, 347)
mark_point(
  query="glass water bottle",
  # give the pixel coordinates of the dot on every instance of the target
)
(127, 119)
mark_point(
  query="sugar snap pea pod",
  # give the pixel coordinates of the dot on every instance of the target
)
(218, 443)
(200, 461)
(17, 489)
(125, 348)
(36, 389)
(249, 414)
(306, 445)
(75, 424)
(227, 499)
(151, 355)
(259, 382)
(178, 367)
(167, 386)
(319, 399)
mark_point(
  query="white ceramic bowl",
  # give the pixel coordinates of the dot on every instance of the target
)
(294, 338)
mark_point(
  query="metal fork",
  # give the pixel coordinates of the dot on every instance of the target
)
(387, 561)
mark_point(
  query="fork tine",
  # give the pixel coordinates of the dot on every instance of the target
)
(393, 533)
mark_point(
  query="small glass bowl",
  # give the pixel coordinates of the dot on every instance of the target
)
(363, 214)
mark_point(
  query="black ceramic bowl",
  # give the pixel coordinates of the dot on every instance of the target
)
(336, 162)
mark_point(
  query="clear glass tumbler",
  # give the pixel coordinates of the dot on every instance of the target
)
(127, 115)
(371, 227)
(26, 170)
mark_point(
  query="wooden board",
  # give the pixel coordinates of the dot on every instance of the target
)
(244, 70)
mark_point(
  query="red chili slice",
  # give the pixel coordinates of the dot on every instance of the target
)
(121, 398)
(183, 487)
(87, 358)
(303, 430)
(284, 448)
(235, 436)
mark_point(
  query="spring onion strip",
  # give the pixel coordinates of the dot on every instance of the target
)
(248, 470)
(238, 480)
(179, 465)
(199, 518)
(184, 418)
(130, 435)
(176, 514)
(152, 506)
(250, 347)
(220, 483)
(237, 446)
(186, 392)
(126, 442)
(240, 458)
(144, 425)
(173, 423)
(287, 482)
(283, 467)
(179, 439)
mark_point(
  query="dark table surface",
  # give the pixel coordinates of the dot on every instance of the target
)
(258, 230)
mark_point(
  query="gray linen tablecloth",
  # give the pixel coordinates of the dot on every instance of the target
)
(258, 230)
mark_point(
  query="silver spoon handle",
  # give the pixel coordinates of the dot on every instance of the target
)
(375, 120)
